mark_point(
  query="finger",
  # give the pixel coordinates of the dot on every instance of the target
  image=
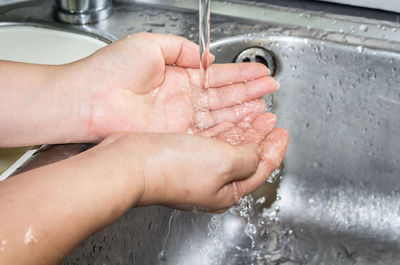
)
(217, 129)
(234, 94)
(244, 160)
(228, 74)
(231, 114)
(221, 210)
(247, 162)
(247, 120)
(262, 125)
(251, 129)
(228, 195)
(233, 135)
(245, 157)
(177, 50)
(207, 59)
(273, 151)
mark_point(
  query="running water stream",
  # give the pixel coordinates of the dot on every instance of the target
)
(204, 41)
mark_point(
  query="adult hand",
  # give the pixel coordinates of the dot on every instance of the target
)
(150, 83)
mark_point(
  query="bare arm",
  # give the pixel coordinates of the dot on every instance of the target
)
(46, 212)
(36, 106)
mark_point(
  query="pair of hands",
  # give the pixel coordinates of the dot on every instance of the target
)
(150, 83)
(140, 98)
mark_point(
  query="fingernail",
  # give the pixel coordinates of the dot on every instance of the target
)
(269, 72)
(211, 59)
(278, 85)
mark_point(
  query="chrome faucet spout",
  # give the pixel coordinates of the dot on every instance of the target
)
(82, 11)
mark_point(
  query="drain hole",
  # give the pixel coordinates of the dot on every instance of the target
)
(260, 59)
(259, 55)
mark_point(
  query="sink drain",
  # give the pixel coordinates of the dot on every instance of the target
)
(259, 55)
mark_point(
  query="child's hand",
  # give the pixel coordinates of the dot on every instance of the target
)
(194, 172)
(149, 83)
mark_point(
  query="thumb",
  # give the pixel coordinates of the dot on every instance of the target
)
(273, 151)
(176, 50)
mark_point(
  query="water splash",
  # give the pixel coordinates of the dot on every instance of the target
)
(275, 175)
(267, 237)
(246, 209)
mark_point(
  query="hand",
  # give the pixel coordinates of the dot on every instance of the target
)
(149, 83)
(195, 172)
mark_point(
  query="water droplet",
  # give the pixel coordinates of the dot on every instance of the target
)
(214, 224)
(261, 200)
(250, 229)
(274, 176)
(162, 256)
(363, 28)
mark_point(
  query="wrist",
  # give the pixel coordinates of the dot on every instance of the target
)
(103, 106)
(82, 107)
(125, 162)
(70, 85)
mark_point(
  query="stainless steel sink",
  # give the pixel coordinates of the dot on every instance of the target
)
(340, 193)
(338, 200)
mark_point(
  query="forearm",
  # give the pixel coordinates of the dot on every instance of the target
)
(49, 211)
(39, 104)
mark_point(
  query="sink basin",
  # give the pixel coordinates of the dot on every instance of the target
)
(338, 201)
(37, 44)
(31, 43)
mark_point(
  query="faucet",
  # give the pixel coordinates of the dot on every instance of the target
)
(82, 11)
